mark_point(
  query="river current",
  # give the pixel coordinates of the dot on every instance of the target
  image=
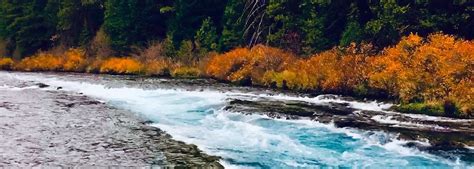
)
(256, 141)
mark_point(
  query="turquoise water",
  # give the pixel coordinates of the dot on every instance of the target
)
(255, 141)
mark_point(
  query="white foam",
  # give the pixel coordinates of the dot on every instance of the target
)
(219, 129)
(434, 118)
(389, 120)
(6, 87)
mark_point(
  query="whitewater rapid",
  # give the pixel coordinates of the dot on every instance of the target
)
(255, 141)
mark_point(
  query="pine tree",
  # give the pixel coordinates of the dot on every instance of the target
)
(27, 25)
(188, 17)
(232, 33)
(130, 22)
(79, 20)
(206, 36)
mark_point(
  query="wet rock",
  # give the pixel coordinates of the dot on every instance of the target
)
(51, 128)
(443, 135)
(42, 85)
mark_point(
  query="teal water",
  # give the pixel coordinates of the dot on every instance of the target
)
(255, 141)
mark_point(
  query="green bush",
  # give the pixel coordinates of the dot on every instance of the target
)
(421, 108)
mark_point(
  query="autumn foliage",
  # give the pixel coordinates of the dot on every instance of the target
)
(6, 63)
(244, 65)
(424, 74)
(71, 60)
(437, 70)
(121, 66)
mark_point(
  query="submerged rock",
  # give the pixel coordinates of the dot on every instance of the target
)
(444, 134)
(42, 85)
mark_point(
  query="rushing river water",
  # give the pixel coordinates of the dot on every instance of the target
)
(255, 141)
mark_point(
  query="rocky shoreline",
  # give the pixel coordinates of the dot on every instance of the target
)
(446, 136)
(54, 128)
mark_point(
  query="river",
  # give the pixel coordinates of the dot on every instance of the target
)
(197, 116)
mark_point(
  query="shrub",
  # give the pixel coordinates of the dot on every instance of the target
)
(285, 79)
(94, 65)
(432, 70)
(186, 52)
(262, 59)
(6, 63)
(157, 67)
(153, 60)
(40, 62)
(222, 66)
(186, 72)
(243, 64)
(154, 51)
(421, 108)
(121, 66)
(74, 60)
(100, 45)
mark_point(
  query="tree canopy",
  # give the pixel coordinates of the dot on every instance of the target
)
(299, 26)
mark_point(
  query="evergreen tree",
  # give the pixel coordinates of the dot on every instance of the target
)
(232, 33)
(283, 18)
(301, 26)
(189, 14)
(389, 23)
(79, 20)
(130, 22)
(206, 36)
(27, 25)
(353, 32)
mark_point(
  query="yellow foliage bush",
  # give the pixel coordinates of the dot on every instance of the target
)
(243, 64)
(222, 66)
(41, 62)
(6, 63)
(332, 70)
(436, 69)
(121, 66)
(74, 60)
(185, 71)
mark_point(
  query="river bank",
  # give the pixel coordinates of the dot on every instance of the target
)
(272, 126)
(48, 127)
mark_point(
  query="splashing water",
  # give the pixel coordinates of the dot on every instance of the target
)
(255, 141)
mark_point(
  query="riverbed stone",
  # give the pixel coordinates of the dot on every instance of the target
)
(54, 128)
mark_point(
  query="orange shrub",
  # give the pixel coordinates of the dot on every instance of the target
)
(222, 66)
(262, 59)
(74, 60)
(437, 69)
(393, 67)
(334, 70)
(307, 74)
(6, 63)
(40, 62)
(94, 65)
(121, 66)
(248, 64)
